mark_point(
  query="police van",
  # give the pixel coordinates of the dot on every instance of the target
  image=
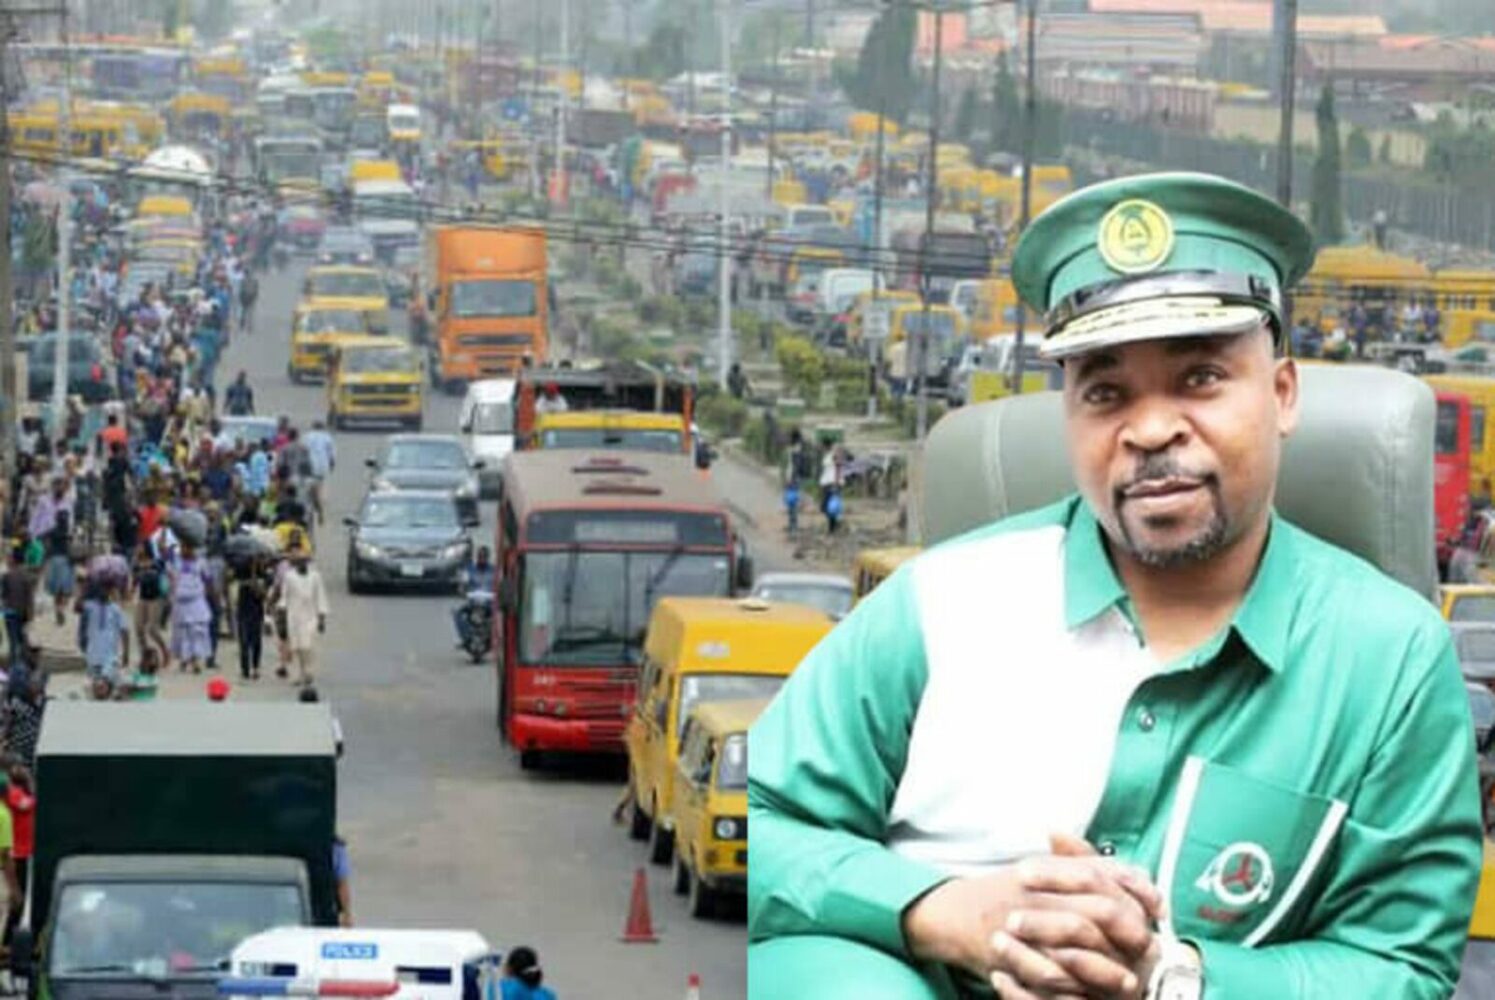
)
(363, 962)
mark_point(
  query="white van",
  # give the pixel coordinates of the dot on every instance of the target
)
(486, 420)
(839, 287)
(418, 964)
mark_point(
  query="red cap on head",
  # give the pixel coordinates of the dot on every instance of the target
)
(218, 689)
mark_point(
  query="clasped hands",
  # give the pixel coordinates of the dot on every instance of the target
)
(1069, 924)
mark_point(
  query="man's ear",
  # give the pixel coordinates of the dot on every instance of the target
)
(1285, 388)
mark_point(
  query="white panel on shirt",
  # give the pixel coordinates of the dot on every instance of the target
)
(1014, 735)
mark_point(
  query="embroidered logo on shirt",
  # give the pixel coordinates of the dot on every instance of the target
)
(1239, 876)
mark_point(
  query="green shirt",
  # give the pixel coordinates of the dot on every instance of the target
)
(1302, 786)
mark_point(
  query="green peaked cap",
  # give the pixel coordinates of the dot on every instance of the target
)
(1135, 229)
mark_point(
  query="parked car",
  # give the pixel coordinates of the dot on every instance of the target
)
(90, 375)
(411, 538)
(828, 592)
(302, 227)
(345, 245)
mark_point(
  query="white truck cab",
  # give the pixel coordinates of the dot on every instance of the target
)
(486, 422)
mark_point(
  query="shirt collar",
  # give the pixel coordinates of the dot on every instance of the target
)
(1263, 619)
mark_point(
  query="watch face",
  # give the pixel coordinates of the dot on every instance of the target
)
(1181, 984)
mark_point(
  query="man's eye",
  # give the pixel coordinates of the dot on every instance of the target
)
(1101, 394)
(1201, 378)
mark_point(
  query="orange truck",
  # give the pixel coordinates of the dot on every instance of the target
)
(489, 302)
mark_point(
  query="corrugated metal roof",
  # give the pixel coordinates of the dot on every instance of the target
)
(1246, 16)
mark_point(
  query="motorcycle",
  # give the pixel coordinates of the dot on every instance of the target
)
(474, 620)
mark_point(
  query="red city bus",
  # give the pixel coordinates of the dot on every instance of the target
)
(586, 544)
(1451, 444)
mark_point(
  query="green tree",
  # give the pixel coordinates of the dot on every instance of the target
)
(1006, 109)
(884, 75)
(966, 114)
(1326, 214)
(169, 24)
(662, 55)
(1357, 151)
(213, 18)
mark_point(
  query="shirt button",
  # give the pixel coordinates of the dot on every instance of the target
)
(1146, 720)
(1106, 847)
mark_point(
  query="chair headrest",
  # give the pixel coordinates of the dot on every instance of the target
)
(1358, 472)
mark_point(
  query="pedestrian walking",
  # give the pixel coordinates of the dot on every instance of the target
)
(51, 524)
(303, 598)
(16, 594)
(249, 618)
(149, 581)
(14, 893)
(25, 704)
(249, 293)
(830, 488)
(105, 631)
(20, 799)
(238, 398)
(342, 874)
(191, 613)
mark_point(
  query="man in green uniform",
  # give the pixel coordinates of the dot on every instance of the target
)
(1152, 740)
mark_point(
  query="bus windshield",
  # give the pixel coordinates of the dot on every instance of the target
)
(590, 608)
(633, 439)
(366, 360)
(494, 298)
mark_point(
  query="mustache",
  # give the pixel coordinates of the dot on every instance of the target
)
(1161, 466)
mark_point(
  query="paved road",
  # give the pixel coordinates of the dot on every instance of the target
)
(444, 828)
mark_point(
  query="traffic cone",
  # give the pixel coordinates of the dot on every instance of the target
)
(693, 986)
(640, 928)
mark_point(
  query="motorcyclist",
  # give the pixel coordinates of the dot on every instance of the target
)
(479, 581)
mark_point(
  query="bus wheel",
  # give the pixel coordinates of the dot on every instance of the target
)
(529, 760)
(661, 841)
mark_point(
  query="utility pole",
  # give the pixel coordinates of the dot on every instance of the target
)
(874, 350)
(64, 233)
(8, 386)
(1030, 131)
(773, 105)
(1287, 55)
(926, 282)
(724, 261)
(534, 131)
(564, 69)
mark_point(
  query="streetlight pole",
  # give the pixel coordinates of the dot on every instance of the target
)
(926, 283)
(1030, 131)
(724, 258)
(60, 350)
(1287, 55)
(563, 98)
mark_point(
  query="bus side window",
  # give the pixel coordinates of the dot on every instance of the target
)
(1476, 428)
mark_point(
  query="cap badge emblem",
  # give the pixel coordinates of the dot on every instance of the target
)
(1135, 236)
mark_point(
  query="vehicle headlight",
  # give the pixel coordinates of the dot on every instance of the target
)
(382, 485)
(457, 550)
(729, 828)
(467, 490)
(369, 550)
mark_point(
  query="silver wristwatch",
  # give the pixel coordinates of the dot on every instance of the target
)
(1178, 974)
